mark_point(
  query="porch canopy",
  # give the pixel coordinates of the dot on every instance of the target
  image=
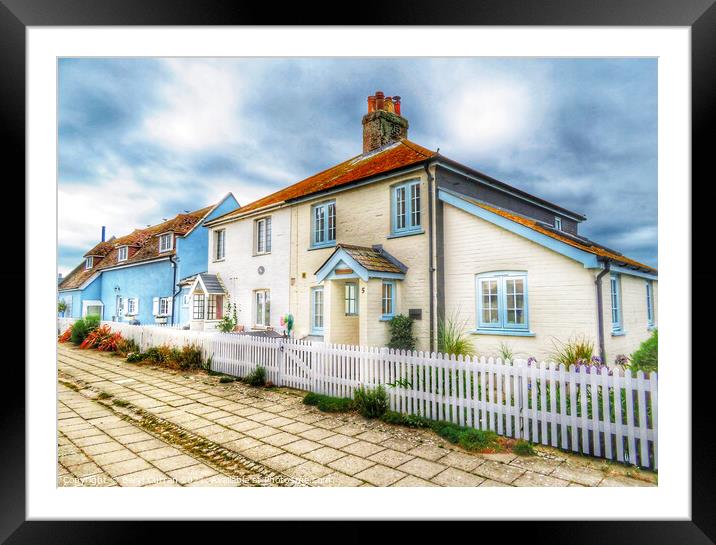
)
(208, 284)
(349, 261)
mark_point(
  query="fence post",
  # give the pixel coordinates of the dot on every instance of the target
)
(281, 362)
(520, 400)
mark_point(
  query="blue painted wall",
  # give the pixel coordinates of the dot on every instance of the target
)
(149, 280)
(193, 250)
(91, 292)
(144, 282)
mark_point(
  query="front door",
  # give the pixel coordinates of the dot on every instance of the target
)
(317, 310)
(119, 306)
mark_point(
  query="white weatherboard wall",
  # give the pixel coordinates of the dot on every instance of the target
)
(635, 326)
(561, 292)
(239, 268)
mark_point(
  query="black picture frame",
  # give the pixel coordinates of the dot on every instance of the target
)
(17, 15)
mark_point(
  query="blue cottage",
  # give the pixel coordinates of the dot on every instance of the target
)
(135, 278)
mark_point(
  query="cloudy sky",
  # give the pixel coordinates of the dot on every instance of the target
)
(144, 139)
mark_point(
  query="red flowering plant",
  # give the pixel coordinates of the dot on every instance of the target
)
(110, 343)
(97, 337)
(65, 336)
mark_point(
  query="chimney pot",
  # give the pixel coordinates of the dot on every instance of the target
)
(379, 100)
(371, 103)
(103, 233)
(396, 104)
(389, 105)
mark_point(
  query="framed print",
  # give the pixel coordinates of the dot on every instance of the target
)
(418, 249)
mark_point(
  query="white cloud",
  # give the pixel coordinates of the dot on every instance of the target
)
(202, 100)
(119, 203)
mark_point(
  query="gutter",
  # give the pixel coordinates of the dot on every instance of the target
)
(600, 311)
(172, 259)
(431, 265)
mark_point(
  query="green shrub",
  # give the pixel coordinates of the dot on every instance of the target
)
(257, 377)
(126, 347)
(61, 305)
(328, 404)
(82, 327)
(468, 438)
(134, 357)
(225, 380)
(506, 352)
(472, 439)
(576, 350)
(451, 338)
(189, 357)
(401, 333)
(408, 420)
(646, 358)
(371, 403)
(523, 448)
(161, 354)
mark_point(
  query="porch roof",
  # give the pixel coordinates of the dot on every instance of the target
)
(349, 261)
(210, 284)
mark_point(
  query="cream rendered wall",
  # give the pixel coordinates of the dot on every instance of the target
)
(634, 315)
(239, 269)
(343, 329)
(363, 217)
(561, 292)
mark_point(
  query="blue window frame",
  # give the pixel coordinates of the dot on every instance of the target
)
(650, 303)
(317, 310)
(502, 301)
(323, 225)
(616, 304)
(387, 299)
(405, 206)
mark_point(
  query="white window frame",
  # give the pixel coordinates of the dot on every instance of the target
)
(198, 311)
(558, 223)
(385, 301)
(164, 306)
(351, 299)
(615, 299)
(219, 244)
(262, 308)
(262, 236)
(132, 306)
(162, 247)
(122, 253)
(650, 304)
(89, 262)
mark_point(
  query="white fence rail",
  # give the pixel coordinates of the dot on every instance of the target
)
(586, 410)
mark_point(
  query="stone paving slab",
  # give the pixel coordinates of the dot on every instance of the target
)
(274, 429)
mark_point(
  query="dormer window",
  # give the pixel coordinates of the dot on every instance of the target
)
(122, 254)
(558, 223)
(88, 262)
(165, 242)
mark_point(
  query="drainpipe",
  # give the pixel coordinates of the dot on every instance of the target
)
(172, 259)
(431, 266)
(600, 311)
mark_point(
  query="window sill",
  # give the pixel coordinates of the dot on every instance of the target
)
(618, 333)
(651, 328)
(218, 260)
(406, 233)
(386, 318)
(322, 246)
(259, 254)
(507, 332)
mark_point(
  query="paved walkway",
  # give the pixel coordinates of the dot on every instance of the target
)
(137, 425)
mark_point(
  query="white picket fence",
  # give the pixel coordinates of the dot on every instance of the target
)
(585, 410)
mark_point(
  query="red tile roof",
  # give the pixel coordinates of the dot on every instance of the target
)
(399, 155)
(586, 246)
(145, 240)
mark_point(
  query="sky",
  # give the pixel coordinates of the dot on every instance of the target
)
(145, 139)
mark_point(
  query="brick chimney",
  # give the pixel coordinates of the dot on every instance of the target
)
(383, 124)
